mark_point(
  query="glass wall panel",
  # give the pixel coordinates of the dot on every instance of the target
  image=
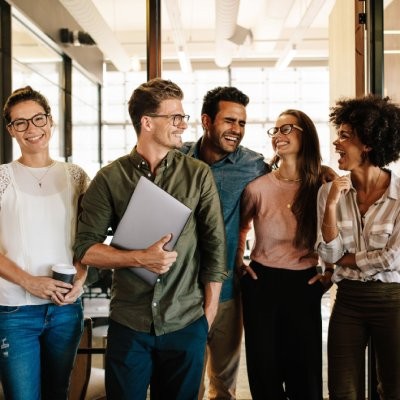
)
(85, 122)
(37, 64)
(270, 93)
(391, 27)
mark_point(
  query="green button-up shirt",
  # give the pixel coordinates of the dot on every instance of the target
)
(177, 298)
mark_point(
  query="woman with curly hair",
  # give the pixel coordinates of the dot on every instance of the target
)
(359, 216)
(281, 288)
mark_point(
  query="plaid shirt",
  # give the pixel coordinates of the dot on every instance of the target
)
(374, 238)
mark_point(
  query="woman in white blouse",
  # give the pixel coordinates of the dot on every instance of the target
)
(41, 318)
(359, 216)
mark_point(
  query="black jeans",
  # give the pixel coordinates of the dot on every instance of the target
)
(283, 333)
(363, 310)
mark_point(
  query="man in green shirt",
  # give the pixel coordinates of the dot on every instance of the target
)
(161, 328)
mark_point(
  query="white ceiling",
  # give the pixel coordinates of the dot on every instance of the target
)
(276, 26)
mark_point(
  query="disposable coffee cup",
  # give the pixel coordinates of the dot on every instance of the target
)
(64, 272)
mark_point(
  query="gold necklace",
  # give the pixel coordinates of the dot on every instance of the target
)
(280, 178)
(38, 179)
(286, 179)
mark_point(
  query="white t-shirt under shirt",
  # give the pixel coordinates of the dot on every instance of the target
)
(37, 222)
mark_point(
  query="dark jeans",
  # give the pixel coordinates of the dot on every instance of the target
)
(364, 310)
(283, 333)
(177, 358)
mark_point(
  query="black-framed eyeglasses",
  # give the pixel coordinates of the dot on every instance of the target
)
(284, 129)
(22, 124)
(177, 119)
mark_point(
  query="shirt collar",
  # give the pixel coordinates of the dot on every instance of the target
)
(194, 151)
(141, 163)
(394, 186)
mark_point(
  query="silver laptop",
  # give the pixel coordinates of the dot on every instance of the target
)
(151, 214)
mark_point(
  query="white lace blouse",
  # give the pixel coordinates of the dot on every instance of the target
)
(38, 212)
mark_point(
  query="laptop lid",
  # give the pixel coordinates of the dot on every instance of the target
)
(151, 214)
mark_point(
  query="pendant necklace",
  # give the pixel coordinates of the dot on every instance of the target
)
(281, 178)
(38, 179)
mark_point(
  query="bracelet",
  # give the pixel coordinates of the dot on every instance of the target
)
(328, 226)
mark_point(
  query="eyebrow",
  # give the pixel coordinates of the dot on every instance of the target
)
(231, 119)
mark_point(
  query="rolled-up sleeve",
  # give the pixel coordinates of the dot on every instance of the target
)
(211, 230)
(95, 218)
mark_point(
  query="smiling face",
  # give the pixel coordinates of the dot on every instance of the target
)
(285, 145)
(349, 147)
(224, 135)
(164, 134)
(34, 139)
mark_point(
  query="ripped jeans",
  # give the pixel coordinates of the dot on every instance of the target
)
(37, 349)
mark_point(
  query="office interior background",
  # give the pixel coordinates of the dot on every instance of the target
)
(87, 56)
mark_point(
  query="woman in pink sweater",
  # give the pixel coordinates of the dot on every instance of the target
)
(281, 287)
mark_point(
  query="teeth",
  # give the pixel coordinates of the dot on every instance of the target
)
(34, 138)
(235, 139)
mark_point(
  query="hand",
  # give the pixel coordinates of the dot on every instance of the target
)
(325, 279)
(45, 287)
(328, 174)
(339, 185)
(156, 259)
(246, 269)
(73, 294)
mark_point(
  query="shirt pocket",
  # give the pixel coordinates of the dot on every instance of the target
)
(346, 229)
(380, 234)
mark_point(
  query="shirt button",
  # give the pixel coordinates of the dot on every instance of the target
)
(154, 304)
(158, 279)
(148, 174)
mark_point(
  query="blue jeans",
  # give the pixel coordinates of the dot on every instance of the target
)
(37, 349)
(173, 361)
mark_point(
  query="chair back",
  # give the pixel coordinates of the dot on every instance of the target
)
(83, 363)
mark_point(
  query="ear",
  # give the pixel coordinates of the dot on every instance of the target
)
(146, 123)
(367, 149)
(205, 122)
(9, 129)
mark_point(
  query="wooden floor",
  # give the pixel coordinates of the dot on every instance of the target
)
(99, 308)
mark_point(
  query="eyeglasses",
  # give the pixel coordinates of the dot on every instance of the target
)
(284, 129)
(22, 124)
(177, 119)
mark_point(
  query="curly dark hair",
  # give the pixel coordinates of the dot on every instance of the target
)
(24, 94)
(376, 122)
(222, 93)
(304, 206)
(147, 98)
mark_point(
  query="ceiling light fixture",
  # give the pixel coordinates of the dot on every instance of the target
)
(297, 35)
(174, 17)
(285, 60)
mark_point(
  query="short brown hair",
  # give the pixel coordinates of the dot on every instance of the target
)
(147, 97)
